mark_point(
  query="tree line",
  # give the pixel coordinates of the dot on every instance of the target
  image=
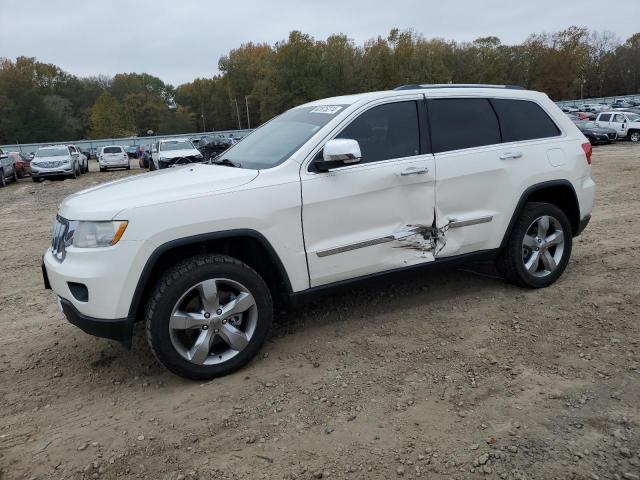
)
(40, 102)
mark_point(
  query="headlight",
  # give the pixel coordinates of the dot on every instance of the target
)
(95, 234)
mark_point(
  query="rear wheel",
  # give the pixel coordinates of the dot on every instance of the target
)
(538, 248)
(208, 316)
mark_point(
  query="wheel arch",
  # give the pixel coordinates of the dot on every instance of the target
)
(556, 192)
(248, 246)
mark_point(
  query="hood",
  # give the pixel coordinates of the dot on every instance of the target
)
(598, 131)
(105, 201)
(188, 152)
(59, 158)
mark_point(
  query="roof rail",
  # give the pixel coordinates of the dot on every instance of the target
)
(416, 86)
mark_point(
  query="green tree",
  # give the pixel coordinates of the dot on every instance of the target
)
(109, 118)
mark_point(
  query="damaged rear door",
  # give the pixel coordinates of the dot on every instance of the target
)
(376, 215)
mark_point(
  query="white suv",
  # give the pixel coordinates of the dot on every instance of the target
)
(327, 193)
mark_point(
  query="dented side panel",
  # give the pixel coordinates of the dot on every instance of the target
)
(368, 218)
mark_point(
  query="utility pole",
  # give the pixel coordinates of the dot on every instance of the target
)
(246, 102)
(204, 126)
(238, 113)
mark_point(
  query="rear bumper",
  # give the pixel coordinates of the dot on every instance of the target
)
(582, 225)
(120, 329)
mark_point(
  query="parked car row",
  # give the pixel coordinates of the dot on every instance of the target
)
(179, 151)
(609, 125)
(601, 107)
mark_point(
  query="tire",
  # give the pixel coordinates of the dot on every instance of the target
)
(102, 169)
(517, 256)
(36, 179)
(3, 181)
(181, 289)
(14, 179)
(128, 167)
(634, 136)
(74, 174)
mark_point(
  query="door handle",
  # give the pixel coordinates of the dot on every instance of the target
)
(510, 155)
(414, 171)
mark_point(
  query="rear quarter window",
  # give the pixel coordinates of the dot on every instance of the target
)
(458, 123)
(523, 120)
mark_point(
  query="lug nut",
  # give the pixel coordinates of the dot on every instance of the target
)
(219, 311)
(205, 327)
(207, 315)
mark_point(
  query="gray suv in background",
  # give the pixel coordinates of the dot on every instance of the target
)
(55, 161)
(7, 169)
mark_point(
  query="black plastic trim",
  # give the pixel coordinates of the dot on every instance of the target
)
(428, 86)
(523, 199)
(299, 298)
(195, 239)
(582, 225)
(45, 276)
(120, 329)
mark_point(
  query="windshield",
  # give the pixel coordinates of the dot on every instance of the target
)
(176, 145)
(277, 140)
(112, 150)
(52, 152)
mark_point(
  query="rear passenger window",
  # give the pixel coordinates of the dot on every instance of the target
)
(385, 132)
(462, 123)
(523, 120)
(605, 117)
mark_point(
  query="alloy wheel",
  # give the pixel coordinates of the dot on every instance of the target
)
(543, 246)
(213, 321)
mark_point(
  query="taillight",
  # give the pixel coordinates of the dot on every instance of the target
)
(588, 150)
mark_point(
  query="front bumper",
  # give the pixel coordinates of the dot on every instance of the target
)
(120, 329)
(51, 172)
(110, 275)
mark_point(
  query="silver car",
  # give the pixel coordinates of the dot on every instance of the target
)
(55, 161)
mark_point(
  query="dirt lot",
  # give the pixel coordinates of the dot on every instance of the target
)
(448, 375)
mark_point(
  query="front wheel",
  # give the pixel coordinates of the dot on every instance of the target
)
(208, 316)
(538, 248)
(634, 136)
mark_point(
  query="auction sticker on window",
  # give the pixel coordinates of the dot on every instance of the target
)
(328, 109)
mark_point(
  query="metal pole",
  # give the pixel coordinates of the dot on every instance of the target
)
(237, 113)
(246, 102)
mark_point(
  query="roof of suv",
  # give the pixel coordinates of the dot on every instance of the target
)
(442, 90)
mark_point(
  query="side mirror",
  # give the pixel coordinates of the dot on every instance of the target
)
(338, 152)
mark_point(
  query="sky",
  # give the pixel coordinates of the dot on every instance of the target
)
(180, 40)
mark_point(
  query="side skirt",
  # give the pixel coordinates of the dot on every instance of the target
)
(297, 299)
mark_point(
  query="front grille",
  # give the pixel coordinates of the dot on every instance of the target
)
(60, 235)
(52, 164)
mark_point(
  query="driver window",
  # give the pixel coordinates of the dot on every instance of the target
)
(386, 131)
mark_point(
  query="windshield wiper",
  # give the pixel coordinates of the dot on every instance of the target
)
(226, 162)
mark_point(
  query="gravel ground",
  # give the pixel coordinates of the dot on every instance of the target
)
(454, 374)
